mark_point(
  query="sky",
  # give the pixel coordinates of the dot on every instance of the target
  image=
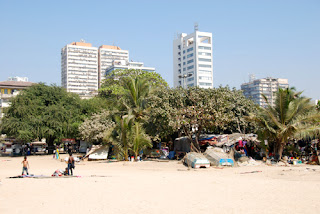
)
(267, 38)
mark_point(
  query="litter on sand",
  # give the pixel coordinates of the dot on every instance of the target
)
(250, 172)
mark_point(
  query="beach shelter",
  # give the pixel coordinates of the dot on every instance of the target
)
(98, 152)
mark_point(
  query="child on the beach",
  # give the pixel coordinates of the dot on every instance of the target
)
(25, 166)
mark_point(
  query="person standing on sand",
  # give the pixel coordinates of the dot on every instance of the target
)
(25, 165)
(70, 164)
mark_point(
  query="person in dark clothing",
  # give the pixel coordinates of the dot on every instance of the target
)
(70, 164)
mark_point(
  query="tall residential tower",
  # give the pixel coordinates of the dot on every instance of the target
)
(192, 60)
(107, 55)
(83, 67)
(79, 69)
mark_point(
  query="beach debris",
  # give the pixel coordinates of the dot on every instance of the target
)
(196, 160)
(250, 162)
(218, 157)
(250, 172)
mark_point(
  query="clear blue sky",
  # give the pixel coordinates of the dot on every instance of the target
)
(266, 37)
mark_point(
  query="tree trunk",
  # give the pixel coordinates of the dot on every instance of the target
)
(280, 150)
(126, 154)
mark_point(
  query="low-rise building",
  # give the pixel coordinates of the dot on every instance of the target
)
(124, 64)
(10, 89)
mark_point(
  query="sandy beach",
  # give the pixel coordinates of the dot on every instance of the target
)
(157, 187)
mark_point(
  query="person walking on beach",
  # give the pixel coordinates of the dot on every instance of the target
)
(70, 164)
(25, 165)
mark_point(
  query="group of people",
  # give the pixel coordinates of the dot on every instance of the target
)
(69, 168)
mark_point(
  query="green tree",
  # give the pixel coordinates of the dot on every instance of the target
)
(293, 116)
(120, 134)
(43, 111)
(94, 128)
(140, 140)
(112, 86)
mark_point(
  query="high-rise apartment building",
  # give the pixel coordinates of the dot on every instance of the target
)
(83, 67)
(79, 69)
(107, 54)
(192, 60)
(267, 86)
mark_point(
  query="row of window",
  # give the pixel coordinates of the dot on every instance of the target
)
(204, 60)
(205, 78)
(190, 61)
(205, 84)
(190, 79)
(204, 54)
(204, 48)
(190, 67)
(190, 49)
(204, 66)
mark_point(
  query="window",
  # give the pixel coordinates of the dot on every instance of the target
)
(190, 49)
(184, 69)
(204, 66)
(204, 60)
(190, 61)
(205, 84)
(204, 54)
(204, 71)
(204, 48)
(190, 79)
(205, 78)
(190, 85)
(190, 67)
(184, 57)
(184, 63)
(190, 55)
(184, 52)
(5, 91)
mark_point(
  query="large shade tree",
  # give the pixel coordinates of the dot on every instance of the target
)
(292, 116)
(48, 112)
(194, 111)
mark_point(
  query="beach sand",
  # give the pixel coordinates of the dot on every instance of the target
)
(157, 187)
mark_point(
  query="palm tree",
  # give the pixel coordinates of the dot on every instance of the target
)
(293, 116)
(137, 92)
(120, 134)
(139, 139)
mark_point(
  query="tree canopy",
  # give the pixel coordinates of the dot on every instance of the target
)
(49, 112)
(293, 116)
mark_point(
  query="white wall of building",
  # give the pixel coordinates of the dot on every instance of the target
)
(192, 55)
(79, 69)
(106, 58)
(267, 86)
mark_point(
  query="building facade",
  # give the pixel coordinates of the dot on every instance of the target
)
(10, 89)
(83, 67)
(267, 86)
(79, 69)
(123, 65)
(107, 55)
(192, 60)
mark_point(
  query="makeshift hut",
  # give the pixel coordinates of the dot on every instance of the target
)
(98, 152)
(182, 144)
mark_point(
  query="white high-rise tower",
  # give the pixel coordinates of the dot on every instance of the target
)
(192, 60)
(79, 69)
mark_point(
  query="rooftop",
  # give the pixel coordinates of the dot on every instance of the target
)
(15, 84)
